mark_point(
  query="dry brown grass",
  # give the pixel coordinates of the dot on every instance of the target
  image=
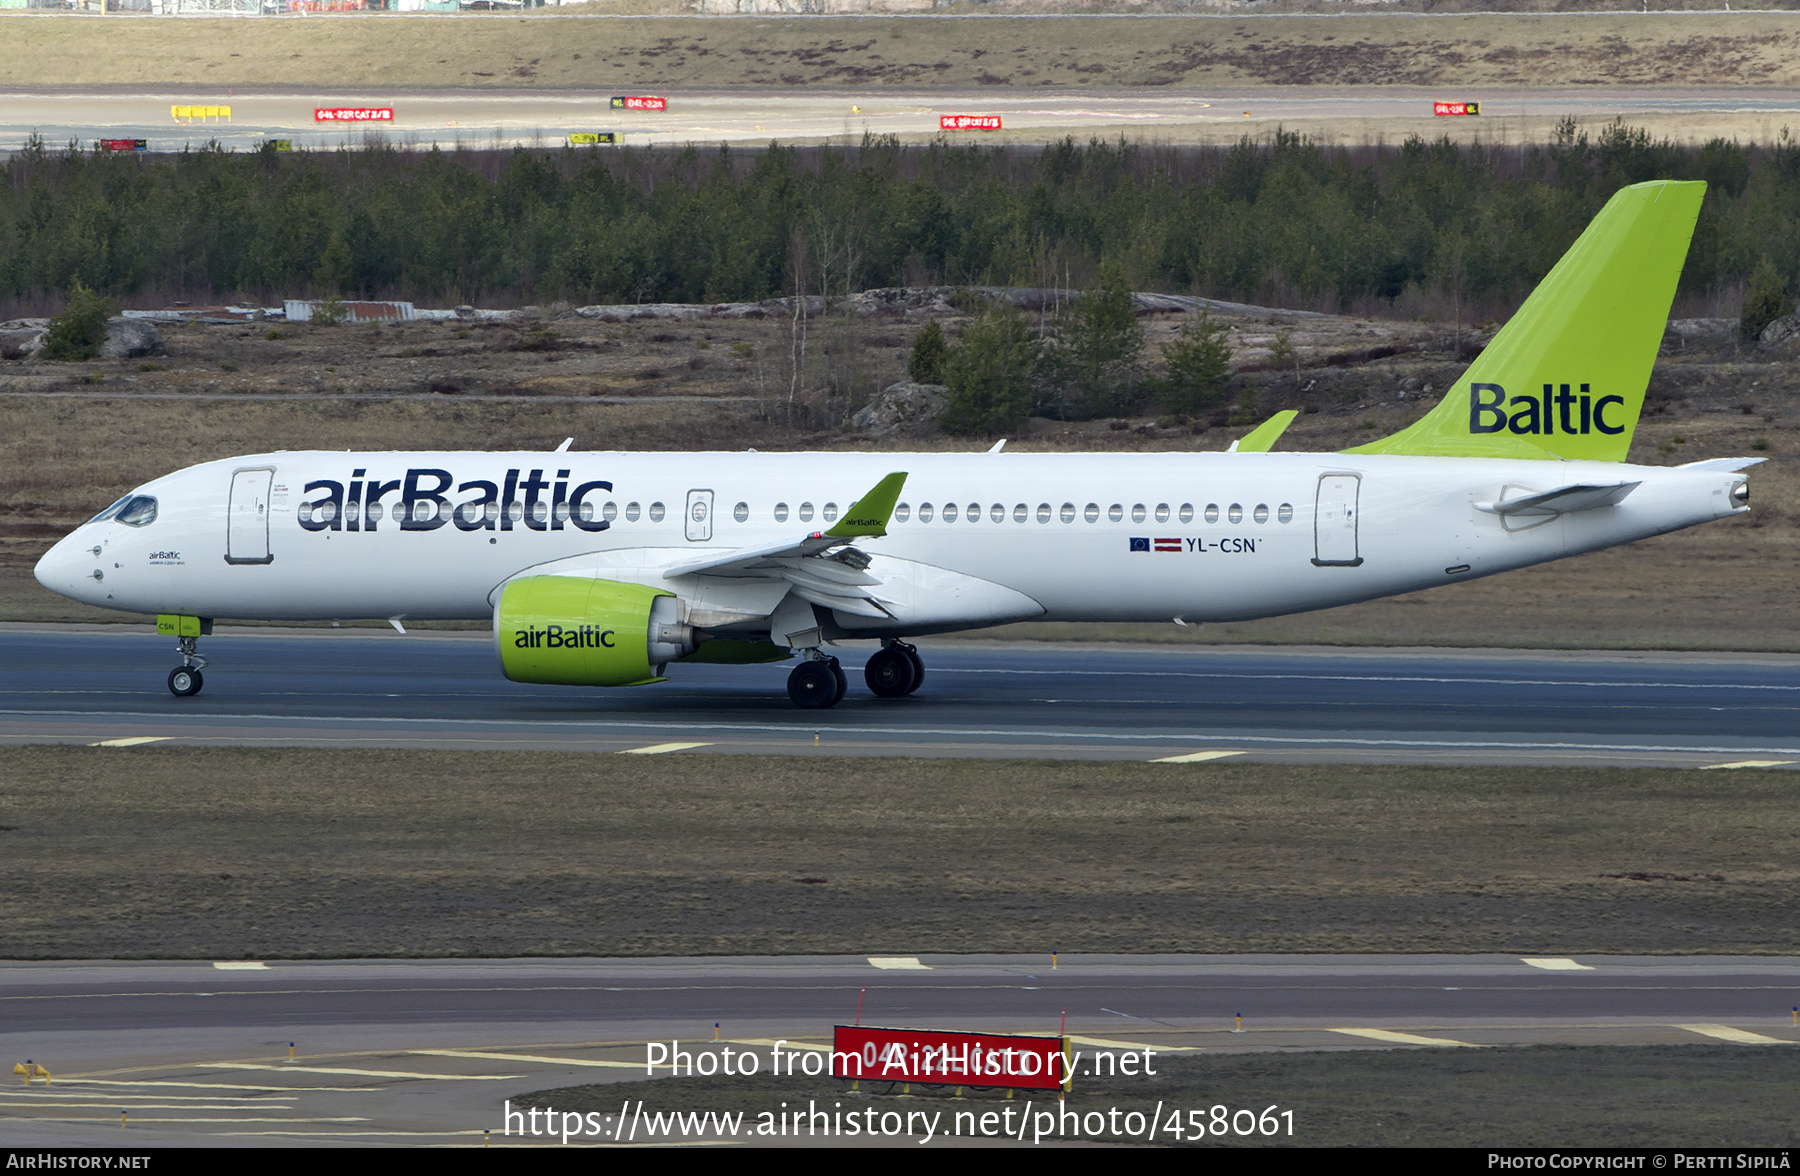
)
(548, 50)
(180, 852)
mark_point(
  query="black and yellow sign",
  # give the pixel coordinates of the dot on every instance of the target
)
(594, 138)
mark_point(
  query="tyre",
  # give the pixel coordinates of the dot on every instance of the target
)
(890, 674)
(185, 682)
(912, 655)
(813, 685)
(843, 683)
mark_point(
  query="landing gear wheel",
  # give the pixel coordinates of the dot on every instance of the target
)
(843, 683)
(912, 655)
(185, 681)
(890, 673)
(814, 685)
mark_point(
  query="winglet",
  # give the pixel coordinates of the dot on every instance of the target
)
(1262, 438)
(869, 514)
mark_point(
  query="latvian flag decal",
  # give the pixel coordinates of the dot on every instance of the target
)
(1167, 544)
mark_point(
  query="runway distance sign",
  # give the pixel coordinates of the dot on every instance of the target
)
(969, 122)
(122, 144)
(354, 114)
(1456, 109)
(640, 102)
(948, 1058)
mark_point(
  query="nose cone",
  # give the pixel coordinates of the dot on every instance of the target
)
(72, 569)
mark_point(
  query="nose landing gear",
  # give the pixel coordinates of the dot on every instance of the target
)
(185, 679)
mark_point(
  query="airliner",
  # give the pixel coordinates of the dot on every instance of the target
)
(602, 569)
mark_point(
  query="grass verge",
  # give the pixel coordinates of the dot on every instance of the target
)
(230, 852)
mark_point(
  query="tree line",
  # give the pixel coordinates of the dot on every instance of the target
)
(1277, 220)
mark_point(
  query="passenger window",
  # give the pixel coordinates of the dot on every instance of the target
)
(1236, 513)
(903, 512)
(139, 512)
(741, 512)
(1092, 513)
(609, 512)
(806, 512)
(631, 512)
(1162, 512)
(492, 511)
(1212, 512)
(1285, 512)
(781, 512)
(1068, 512)
(997, 512)
(656, 512)
(924, 512)
(1137, 512)
(373, 512)
(1187, 512)
(949, 512)
(1115, 512)
(1261, 513)
(560, 513)
(829, 513)
(973, 514)
(1022, 512)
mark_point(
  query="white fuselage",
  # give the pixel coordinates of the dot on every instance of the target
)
(1203, 536)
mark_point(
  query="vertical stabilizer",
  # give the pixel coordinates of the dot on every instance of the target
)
(1566, 377)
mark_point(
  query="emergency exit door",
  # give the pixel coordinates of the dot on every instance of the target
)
(1335, 521)
(699, 515)
(247, 527)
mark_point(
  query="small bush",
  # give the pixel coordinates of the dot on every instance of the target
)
(1199, 361)
(78, 332)
(1765, 300)
(272, 335)
(988, 374)
(926, 363)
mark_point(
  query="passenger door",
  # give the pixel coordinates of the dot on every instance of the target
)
(1335, 521)
(247, 527)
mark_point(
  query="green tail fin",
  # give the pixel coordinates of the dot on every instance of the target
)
(1566, 377)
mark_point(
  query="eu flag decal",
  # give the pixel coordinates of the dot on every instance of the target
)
(1140, 545)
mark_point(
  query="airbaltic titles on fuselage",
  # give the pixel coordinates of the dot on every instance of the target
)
(495, 505)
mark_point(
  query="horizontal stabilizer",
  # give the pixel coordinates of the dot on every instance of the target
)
(1725, 465)
(1562, 500)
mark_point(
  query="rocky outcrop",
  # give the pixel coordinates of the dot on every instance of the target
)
(1783, 334)
(900, 409)
(131, 339)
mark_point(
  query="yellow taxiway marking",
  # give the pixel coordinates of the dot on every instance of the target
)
(1103, 1043)
(1747, 764)
(163, 1119)
(772, 1042)
(1556, 965)
(135, 1107)
(1727, 1033)
(1403, 1038)
(240, 965)
(898, 963)
(162, 1082)
(360, 1073)
(660, 748)
(133, 741)
(1195, 757)
(509, 1057)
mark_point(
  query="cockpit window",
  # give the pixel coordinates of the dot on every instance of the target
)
(112, 510)
(140, 511)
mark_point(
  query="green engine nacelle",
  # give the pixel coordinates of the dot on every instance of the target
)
(574, 631)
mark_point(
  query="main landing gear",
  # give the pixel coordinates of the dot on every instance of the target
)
(818, 682)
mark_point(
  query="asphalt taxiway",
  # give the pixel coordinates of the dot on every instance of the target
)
(427, 1051)
(753, 116)
(370, 688)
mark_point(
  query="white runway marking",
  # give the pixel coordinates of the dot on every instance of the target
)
(1738, 1036)
(361, 1073)
(1393, 1038)
(660, 748)
(507, 1057)
(771, 1042)
(1556, 965)
(1195, 757)
(240, 965)
(1103, 1043)
(899, 963)
(133, 741)
(1746, 764)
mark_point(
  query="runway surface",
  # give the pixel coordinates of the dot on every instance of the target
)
(482, 119)
(368, 688)
(428, 1051)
